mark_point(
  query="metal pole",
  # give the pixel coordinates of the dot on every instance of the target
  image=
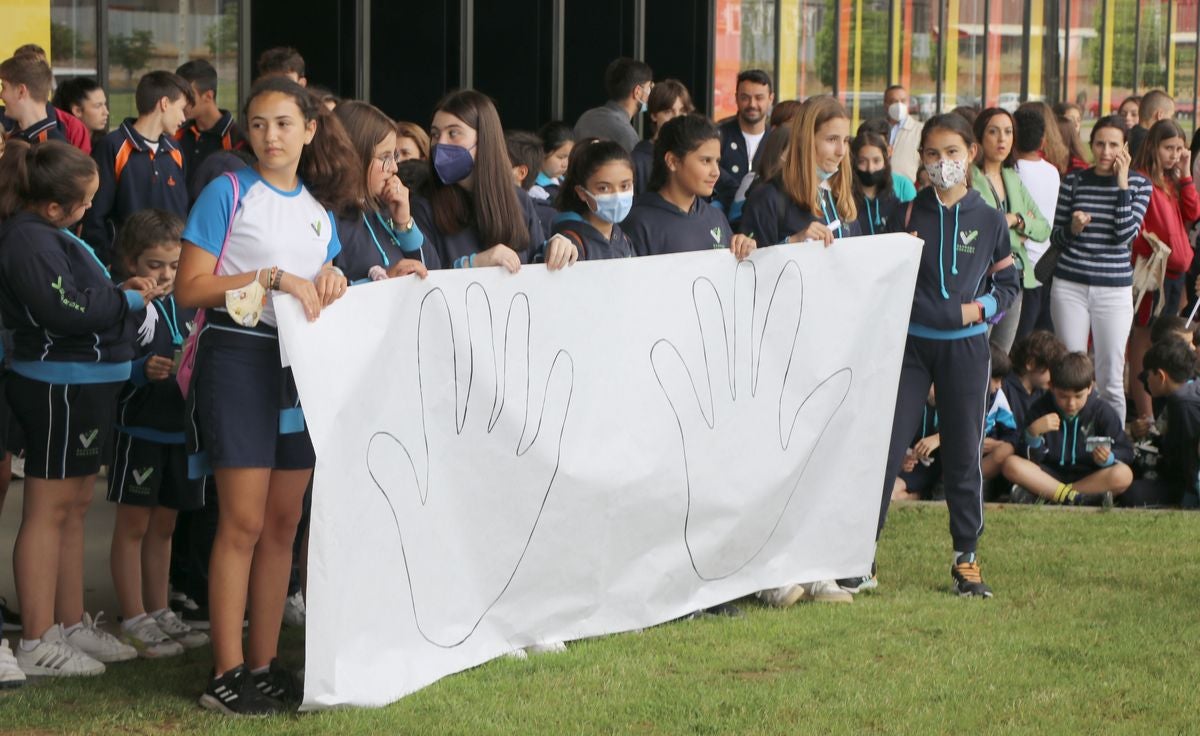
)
(983, 87)
(1137, 47)
(1026, 38)
(1066, 51)
(102, 44)
(941, 55)
(557, 35)
(362, 50)
(466, 42)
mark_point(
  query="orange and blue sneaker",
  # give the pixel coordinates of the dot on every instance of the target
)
(968, 582)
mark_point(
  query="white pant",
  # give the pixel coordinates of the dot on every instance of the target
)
(1107, 313)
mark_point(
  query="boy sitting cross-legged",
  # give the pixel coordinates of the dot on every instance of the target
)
(1074, 450)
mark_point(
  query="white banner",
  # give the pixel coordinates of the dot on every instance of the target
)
(512, 459)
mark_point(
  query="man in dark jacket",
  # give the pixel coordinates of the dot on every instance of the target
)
(740, 139)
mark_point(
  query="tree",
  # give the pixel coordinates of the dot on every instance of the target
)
(222, 36)
(874, 51)
(1152, 54)
(132, 52)
(63, 42)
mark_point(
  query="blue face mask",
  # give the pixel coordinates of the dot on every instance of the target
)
(452, 163)
(824, 175)
(612, 207)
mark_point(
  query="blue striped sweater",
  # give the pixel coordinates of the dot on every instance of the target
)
(1100, 255)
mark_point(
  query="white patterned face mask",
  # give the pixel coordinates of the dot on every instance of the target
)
(946, 173)
(245, 304)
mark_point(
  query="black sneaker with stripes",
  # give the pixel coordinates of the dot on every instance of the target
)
(278, 683)
(235, 694)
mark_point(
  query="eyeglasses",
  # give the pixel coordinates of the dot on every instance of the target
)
(388, 158)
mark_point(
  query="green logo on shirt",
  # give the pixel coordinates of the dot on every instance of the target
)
(62, 296)
(316, 226)
(716, 233)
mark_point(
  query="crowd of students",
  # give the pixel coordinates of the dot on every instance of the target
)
(136, 284)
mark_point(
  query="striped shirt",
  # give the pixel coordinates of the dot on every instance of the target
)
(1100, 255)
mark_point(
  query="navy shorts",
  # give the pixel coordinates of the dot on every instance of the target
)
(244, 409)
(923, 478)
(66, 426)
(1066, 475)
(145, 473)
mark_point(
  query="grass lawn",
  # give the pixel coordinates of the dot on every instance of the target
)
(1094, 629)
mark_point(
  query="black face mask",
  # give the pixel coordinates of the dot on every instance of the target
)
(871, 178)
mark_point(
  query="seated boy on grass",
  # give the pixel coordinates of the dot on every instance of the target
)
(1000, 433)
(1074, 450)
(1170, 366)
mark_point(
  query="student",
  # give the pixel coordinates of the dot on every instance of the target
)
(70, 126)
(668, 100)
(783, 113)
(904, 132)
(557, 142)
(901, 185)
(628, 83)
(813, 197)
(245, 415)
(995, 177)
(674, 216)
(1129, 110)
(1054, 148)
(1154, 106)
(474, 216)
(412, 142)
(379, 231)
(1170, 366)
(84, 98)
(1077, 157)
(922, 467)
(596, 196)
(148, 471)
(1099, 213)
(1041, 179)
(1072, 113)
(741, 138)
(208, 128)
(947, 334)
(874, 196)
(72, 355)
(140, 163)
(282, 61)
(26, 83)
(1000, 433)
(525, 155)
(1032, 357)
(1174, 205)
(1058, 462)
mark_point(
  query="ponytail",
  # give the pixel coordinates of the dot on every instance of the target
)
(42, 173)
(329, 166)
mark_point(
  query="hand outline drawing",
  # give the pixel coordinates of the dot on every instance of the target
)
(473, 414)
(736, 398)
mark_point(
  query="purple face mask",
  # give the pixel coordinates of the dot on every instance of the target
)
(452, 163)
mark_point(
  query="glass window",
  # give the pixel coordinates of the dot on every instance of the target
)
(73, 38)
(144, 35)
(1004, 47)
(1080, 51)
(805, 48)
(964, 55)
(1151, 48)
(1183, 49)
(920, 47)
(867, 58)
(745, 39)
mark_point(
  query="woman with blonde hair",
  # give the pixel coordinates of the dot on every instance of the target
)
(412, 142)
(812, 198)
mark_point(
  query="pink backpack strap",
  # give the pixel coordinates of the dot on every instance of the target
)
(232, 213)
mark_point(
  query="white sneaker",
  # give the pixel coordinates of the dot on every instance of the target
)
(177, 630)
(781, 597)
(149, 640)
(294, 610)
(98, 643)
(54, 657)
(551, 647)
(825, 591)
(10, 673)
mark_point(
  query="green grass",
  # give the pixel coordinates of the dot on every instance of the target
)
(1093, 629)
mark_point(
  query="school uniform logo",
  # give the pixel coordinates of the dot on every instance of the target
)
(316, 227)
(966, 238)
(88, 441)
(716, 235)
(63, 298)
(141, 476)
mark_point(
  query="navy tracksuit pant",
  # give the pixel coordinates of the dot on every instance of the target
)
(960, 370)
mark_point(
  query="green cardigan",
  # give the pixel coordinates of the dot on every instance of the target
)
(1037, 228)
